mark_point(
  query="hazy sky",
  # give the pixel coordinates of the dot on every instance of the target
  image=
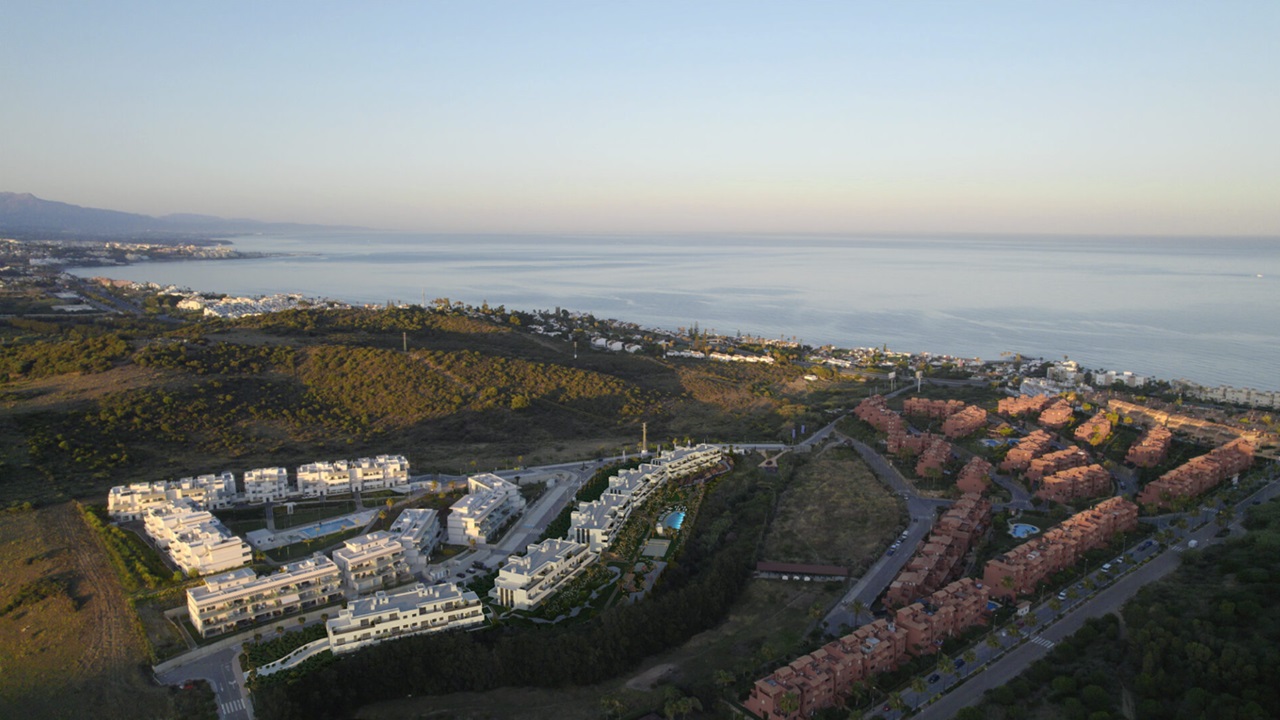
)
(966, 116)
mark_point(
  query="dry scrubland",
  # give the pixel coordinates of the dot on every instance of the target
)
(72, 654)
(834, 512)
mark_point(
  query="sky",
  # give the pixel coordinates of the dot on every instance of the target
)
(1157, 117)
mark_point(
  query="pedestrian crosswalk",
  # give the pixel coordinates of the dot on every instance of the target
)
(231, 707)
(1042, 641)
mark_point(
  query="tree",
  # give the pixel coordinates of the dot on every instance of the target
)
(859, 608)
(918, 685)
(789, 702)
(612, 706)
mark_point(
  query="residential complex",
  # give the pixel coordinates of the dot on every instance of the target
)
(1238, 396)
(825, 677)
(1074, 483)
(1028, 448)
(381, 472)
(966, 422)
(214, 492)
(266, 485)
(371, 562)
(1198, 474)
(975, 477)
(1057, 461)
(1206, 431)
(524, 581)
(319, 479)
(1020, 570)
(1151, 448)
(1022, 405)
(941, 556)
(1057, 415)
(489, 503)
(935, 409)
(196, 541)
(418, 531)
(1094, 430)
(595, 523)
(241, 599)
(414, 610)
(208, 492)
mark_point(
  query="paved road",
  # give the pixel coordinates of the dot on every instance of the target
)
(222, 670)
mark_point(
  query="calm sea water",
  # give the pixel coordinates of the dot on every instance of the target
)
(1207, 310)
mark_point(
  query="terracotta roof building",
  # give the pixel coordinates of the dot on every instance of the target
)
(1020, 570)
(936, 409)
(975, 477)
(1056, 461)
(825, 677)
(940, 558)
(1022, 405)
(1028, 448)
(1151, 448)
(1094, 430)
(1074, 483)
(965, 422)
(1057, 415)
(1199, 474)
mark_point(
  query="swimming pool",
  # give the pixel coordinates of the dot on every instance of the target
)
(674, 519)
(1022, 530)
(328, 527)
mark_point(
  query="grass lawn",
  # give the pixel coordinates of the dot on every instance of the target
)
(75, 653)
(306, 513)
(833, 512)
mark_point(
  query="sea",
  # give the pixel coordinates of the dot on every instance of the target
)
(1202, 309)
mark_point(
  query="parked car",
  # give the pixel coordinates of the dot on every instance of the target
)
(934, 678)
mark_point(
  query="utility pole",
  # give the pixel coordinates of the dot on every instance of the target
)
(644, 438)
(404, 338)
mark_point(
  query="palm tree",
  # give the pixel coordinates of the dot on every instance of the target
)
(992, 641)
(859, 607)
(970, 656)
(918, 685)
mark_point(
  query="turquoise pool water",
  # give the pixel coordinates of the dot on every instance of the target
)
(1022, 530)
(327, 527)
(674, 519)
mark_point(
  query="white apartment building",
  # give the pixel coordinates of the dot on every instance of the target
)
(415, 610)
(241, 599)
(266, 485)
(208, 492)
(383, 471)
(1225, 393)
(324, 478)
(525, 581)
(418, 531)
(371, 562)
(194, 539)
(1111, 377)
(596, 523)
(489, 503)
(684, 461)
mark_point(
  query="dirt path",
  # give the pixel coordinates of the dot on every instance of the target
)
(112, 645)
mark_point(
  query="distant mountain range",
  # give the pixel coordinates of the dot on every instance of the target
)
(25, 215)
